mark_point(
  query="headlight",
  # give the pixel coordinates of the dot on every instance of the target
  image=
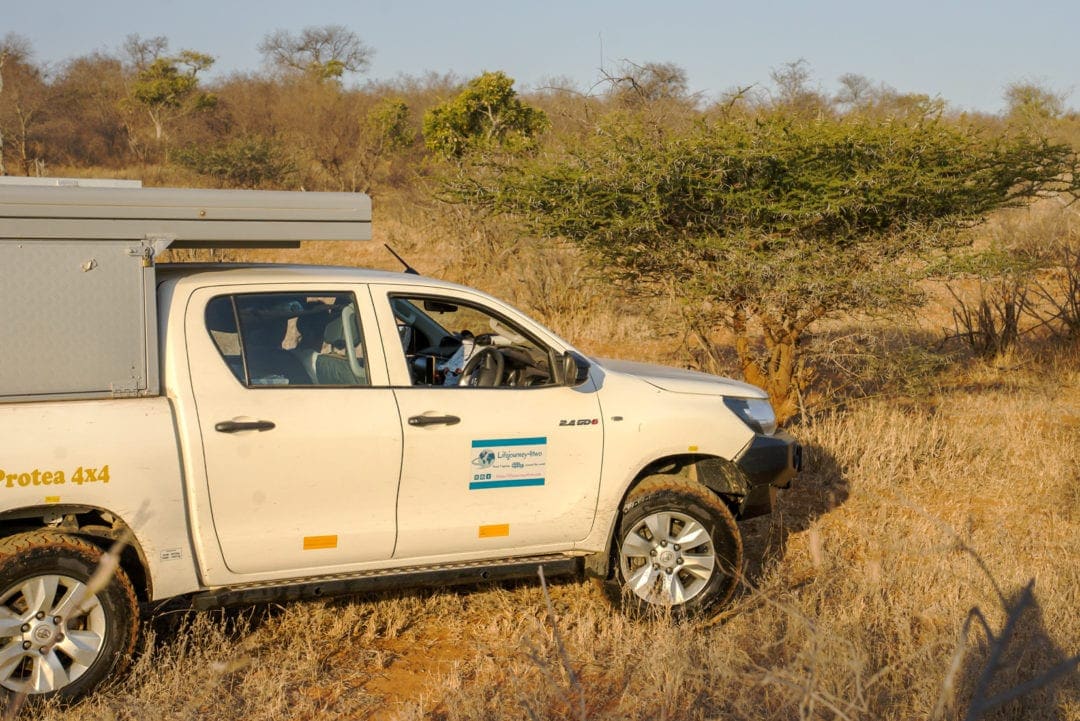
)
(754, 412)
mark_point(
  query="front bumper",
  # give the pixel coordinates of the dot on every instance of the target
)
(772, 460)
(768, 463)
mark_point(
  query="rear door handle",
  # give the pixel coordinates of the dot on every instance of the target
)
(433, 420)
(235, 426)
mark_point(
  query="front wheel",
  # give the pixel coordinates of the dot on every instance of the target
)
(678, 547)
(59, 636)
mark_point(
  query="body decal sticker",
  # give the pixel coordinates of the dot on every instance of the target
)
(315, 543)
(507, 463)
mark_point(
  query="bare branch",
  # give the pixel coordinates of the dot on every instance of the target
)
(328, 51)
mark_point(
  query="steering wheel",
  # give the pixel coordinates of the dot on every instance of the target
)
(484, 369)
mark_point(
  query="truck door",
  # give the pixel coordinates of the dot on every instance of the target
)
(501, 457)
(301, 438)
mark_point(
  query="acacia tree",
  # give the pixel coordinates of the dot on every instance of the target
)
(4, 54)
(242, 162)
(794, 91)
(25, 97)
(89, 120)
(634, 85)
(385, 128)
(1033, 108)
(324, 52)
(486, 115)
(168, 89)
(769, 224)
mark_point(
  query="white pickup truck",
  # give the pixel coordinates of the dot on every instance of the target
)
(242, 434)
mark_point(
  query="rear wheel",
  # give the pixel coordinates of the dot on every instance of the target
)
(678, 547)
(59, 634)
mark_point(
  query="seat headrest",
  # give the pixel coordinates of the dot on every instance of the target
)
(312, 323)
(335, 332)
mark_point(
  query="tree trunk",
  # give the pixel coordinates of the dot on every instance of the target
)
(3, 58)
(779, 371)
(25, 121)
(779, 377)
(709, 358)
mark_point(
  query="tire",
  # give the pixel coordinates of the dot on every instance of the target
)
(51, 645)
(678, 547)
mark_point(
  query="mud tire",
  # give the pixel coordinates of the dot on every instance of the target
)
(60, 562)
(675, 503)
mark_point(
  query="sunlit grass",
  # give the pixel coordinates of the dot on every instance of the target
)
(921, 502)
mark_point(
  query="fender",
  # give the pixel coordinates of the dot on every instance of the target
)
(720, 475)
(98, 525)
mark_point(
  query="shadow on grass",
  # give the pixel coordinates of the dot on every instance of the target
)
(1019, 672)
(169, 622)
(819, 489)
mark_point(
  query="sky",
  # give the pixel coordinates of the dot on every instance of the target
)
(963, 52)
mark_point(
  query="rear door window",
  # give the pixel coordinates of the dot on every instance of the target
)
(289, 339)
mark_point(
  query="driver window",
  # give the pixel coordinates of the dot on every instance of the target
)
(450, 344)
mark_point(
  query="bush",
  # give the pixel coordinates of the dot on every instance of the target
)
(249, 162)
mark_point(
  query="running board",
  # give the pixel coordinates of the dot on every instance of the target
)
(341, 584)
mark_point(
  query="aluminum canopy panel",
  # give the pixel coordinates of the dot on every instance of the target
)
(78, 321)
(221, 217)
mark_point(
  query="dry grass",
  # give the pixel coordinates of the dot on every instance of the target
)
(856, 594)
(914, 511)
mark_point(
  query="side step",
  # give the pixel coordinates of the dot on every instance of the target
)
(341, 584)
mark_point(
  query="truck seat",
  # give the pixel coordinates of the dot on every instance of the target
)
(312, 326)
(333, 368)
(268, 363)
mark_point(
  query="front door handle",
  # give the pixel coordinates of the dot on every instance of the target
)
(235, 426)
(433, 420)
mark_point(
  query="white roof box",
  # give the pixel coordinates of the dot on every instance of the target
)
(173, 217)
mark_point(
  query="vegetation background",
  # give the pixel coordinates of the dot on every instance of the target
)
(925, 565)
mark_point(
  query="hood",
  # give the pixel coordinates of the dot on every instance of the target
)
(678, 380)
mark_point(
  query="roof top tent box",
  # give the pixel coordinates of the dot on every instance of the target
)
(77, 286)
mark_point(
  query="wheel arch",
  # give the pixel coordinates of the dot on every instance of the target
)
(96, 525)
(720, 475)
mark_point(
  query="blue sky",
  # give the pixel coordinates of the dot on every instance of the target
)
(963, 52)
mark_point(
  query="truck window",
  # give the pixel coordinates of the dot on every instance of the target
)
(449, 343)
(289, 339)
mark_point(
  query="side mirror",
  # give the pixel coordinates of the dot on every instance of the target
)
(575, 369)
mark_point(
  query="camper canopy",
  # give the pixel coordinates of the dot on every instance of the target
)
(77, 276)
(182, 217)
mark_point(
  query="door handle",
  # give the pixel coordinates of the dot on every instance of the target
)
(433, 420)
(235, 426)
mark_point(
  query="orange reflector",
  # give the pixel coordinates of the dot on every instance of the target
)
(314, 543)
(52, 499)
(499, 529)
